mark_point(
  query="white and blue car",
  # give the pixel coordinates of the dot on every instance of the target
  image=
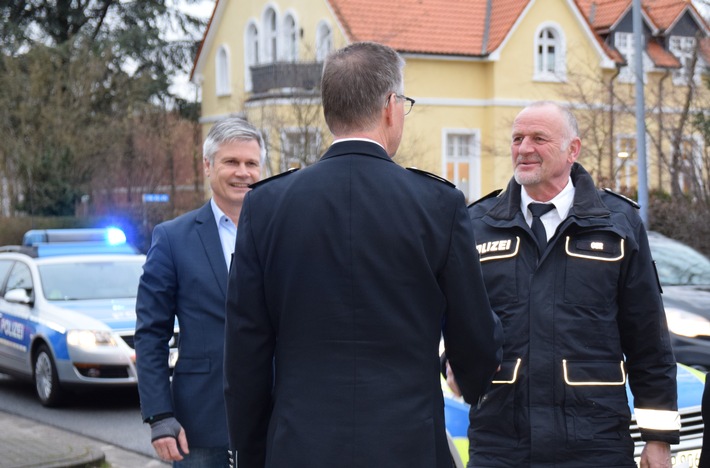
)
(691, 383)
(67, 310)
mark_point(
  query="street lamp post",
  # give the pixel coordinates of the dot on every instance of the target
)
(640, 112)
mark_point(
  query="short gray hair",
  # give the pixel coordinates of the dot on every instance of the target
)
(572, 129)
(226, 131)
(355, 83)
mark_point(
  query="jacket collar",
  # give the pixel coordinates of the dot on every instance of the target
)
(587, 203)
(361, 147)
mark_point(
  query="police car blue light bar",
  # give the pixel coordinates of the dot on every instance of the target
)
(110, 236)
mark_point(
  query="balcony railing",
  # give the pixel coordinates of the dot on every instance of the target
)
(285, 75)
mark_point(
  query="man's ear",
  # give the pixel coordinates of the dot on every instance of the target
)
(575, 146)
(389, 110)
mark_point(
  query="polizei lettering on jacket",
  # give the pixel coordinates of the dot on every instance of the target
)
(494, 246)
(498, 249)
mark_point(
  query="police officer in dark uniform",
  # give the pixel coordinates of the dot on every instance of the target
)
(346, 274)
(581, 311)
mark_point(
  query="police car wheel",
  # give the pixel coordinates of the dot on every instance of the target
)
(45, 377)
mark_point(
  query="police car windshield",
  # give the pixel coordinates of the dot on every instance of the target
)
(679, 264)
(90, 280)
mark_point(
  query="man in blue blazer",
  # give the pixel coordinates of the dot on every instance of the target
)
(185, 277)
(346, 274)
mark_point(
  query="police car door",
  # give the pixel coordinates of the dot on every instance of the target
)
(15, 326)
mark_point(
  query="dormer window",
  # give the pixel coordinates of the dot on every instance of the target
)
(684, 48)
(550, 53)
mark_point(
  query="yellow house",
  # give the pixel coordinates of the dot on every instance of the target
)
(471, 66)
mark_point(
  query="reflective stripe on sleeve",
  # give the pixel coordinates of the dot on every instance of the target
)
(659, 420)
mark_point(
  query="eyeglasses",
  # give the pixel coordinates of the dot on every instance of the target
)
(408, 104)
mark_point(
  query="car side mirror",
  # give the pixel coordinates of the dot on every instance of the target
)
(18, 296)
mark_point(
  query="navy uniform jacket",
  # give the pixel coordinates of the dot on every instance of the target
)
(345, 274)
(185, 276)
(578, 323)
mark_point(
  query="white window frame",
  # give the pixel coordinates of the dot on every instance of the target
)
(287, 162)
(251, 52)
(289, 38)
(624, 43)
(324, 40)
(558, 43)
(223, 82)
(470, 183)
(270, 35)
(683, 47)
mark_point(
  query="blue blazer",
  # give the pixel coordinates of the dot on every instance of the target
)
(185, 276)
(346, 273)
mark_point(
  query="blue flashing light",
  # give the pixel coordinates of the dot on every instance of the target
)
(82, 248)
(114, 236)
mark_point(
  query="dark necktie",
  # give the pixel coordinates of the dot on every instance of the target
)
(537, 210)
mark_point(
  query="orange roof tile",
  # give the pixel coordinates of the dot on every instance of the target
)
(661, 57)
(428, 26)
(664, 12)
(602, 14)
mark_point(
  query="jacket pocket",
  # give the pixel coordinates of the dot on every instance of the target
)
(508, 373)
(592, 267)
(596, 405)
(499, 265)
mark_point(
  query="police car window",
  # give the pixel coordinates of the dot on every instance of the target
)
(90, 280)
(5, 266)
(20, 278)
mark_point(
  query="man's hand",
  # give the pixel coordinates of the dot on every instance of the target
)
(656, 454)
(169, 440)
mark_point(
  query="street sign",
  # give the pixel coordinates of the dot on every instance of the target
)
(156, 198)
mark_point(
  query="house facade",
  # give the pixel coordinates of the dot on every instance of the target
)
(471, 66)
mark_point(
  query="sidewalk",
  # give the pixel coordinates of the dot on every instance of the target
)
(28, 444)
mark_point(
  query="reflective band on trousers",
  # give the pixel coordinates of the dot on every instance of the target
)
(659, 420)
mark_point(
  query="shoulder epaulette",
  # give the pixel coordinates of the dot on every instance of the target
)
(263, 181)
(626, 199)
(494, 193)
(433, 176)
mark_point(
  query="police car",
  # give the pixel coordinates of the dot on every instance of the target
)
(67, 310)
(691, 383)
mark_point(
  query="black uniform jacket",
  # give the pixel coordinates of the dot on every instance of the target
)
(578, 322)
(345, 274)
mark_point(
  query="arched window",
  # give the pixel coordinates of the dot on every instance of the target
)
(290, 39)
(223, 86)
(550, 53)
(271, 35)
(324, 41)
(251, 53)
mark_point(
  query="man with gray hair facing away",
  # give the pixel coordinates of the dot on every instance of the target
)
(346, 274)
(185, 277)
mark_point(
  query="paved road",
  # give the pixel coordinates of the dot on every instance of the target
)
(110, 416)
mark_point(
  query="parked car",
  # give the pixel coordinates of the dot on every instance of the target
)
(67, 310)
(685, 279)
(691, 383)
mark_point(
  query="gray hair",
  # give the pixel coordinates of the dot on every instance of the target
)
(572, 129)
(229, 130)
(355, 83)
